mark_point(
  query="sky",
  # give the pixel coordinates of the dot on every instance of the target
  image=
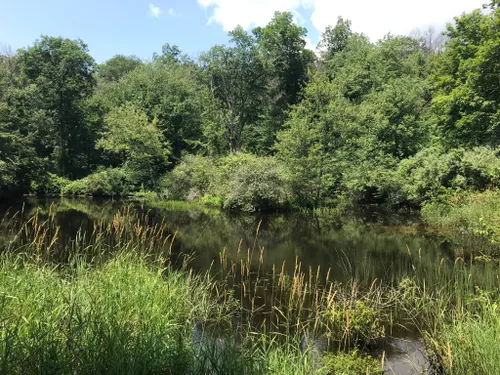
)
(141, 27)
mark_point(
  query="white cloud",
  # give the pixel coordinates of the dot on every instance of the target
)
(400, 17)
(154, 11)
(173, 13)
(248, 13)
(310, 45)
(373, 18)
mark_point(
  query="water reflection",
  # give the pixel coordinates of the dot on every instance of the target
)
(366, 246)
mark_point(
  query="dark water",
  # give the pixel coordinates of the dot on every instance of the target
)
(365, 245)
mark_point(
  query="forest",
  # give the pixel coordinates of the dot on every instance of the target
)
(367, 175)
(261, 123)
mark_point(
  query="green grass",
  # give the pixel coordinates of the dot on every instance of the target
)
(475, 212)
(112, 301)
(123, 317)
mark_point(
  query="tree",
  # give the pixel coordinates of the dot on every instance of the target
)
(236, 80)
(467, 81)
(283, 45)
(309, 138)
(170, 55)
(62, 72)
(334, 39)
(360, 115)
(20, 165)
(170, 93)
(116, 67)
(139, 141)
(287, 62)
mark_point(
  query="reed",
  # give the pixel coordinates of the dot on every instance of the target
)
(116, 298)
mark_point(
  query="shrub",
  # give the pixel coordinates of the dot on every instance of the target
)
(433, 170)
(51, 184)
(352, 363)
(192, 177)
(371, 181)
(239, 181)
(477, 212)
(254, 183)
(105, 183)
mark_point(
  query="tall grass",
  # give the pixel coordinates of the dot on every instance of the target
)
(475, 212)
(115, 298)
(124, 317)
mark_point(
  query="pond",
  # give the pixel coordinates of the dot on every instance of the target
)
(366, 246)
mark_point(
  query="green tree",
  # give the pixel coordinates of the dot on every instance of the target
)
(20, 118)
(170, 93)
(117, 66)
(287, 63)
(139, 142)
(283, 45)
(334, 39)
(235, 77)
(361, 114)
(309, 139)
(62, 73)
(467, 81)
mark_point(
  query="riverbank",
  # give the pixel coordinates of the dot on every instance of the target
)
(118, 300)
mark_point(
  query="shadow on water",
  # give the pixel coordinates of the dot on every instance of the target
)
(365, 247)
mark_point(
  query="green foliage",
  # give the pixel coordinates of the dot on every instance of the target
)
(470, 344)
(476, 212)
(105, 183)
(352, 363)
(254, 183)
(466, 80)
(130, 134)
(235, 76)
(355, 322)
(116, 67)
(190, 179)
(334, 39)
(169, 95)
(50, 184)
(238, 181)
(122, 317)
(287, 65)
(432, 171)
(60, 73)
(395, 122)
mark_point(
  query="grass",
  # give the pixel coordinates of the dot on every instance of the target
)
(475, 212)
(121, 318)
(114, 299)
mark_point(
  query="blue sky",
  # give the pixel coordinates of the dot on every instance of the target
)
(141, 27)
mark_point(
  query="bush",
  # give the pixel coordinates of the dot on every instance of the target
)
(432, 170)
(477, 212)
(238, 181)
(191, 178)
(105, 183)
(371, 182)
(50, 184)
(254, 183)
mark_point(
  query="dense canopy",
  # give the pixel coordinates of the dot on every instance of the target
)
(262, 122)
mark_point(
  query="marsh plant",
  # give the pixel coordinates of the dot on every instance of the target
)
(116, 298)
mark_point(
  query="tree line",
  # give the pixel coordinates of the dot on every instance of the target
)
(261, 122)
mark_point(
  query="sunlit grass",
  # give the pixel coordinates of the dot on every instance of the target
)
(114, 299)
